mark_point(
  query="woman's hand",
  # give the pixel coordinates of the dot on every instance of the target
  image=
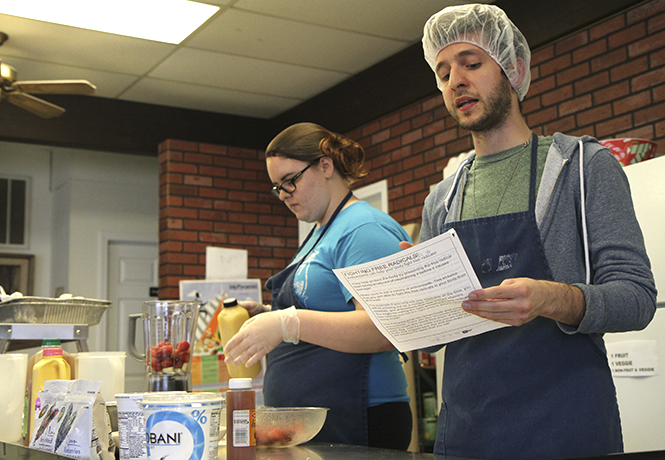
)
(260, 335)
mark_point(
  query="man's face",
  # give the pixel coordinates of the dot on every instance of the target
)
(475, 91)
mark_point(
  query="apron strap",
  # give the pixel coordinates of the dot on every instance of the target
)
(534, 173)
(327, 226)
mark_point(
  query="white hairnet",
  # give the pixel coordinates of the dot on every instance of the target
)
(487, 27)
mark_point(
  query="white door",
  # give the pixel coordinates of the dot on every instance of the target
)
(132, 271)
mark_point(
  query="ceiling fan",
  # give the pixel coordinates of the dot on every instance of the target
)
(20, 93)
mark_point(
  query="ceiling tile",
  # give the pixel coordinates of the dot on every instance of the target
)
(190, 96)
(253, 57)
(43, 41)
(245, 74)
(274, 39)
(216, 2)
(397, 19)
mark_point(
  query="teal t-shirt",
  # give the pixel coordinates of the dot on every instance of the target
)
(359, 234)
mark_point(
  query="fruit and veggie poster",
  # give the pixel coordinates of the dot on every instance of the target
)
(207, 366)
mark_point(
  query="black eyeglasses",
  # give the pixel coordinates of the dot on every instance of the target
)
(289, 185)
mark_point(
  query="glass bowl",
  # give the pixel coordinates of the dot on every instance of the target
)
(288, 426)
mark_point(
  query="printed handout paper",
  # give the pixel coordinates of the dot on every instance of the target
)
(414, 297)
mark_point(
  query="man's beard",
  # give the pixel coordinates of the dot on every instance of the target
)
(498, 110)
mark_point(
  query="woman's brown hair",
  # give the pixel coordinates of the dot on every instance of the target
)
(308, 142)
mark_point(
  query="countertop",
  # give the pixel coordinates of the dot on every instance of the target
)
(345, 452)
(314, 452)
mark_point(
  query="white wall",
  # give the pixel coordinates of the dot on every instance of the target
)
(78, 198)
(27, 161)
(108, 193)
(642, 399)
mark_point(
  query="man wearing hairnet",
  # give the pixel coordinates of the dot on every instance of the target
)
(549, 227)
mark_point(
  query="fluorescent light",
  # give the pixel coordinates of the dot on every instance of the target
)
(169, 21)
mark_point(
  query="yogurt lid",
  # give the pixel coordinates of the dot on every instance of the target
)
(181, 398)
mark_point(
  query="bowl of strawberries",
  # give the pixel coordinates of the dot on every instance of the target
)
(288, 426)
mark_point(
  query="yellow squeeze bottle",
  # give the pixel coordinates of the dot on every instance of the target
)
(52, 366)
(230, 320)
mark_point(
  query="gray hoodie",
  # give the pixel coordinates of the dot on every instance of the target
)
(621, 295)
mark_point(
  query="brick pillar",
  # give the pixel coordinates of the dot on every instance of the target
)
(213, 195)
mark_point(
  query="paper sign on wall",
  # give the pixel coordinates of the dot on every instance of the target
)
(247, 289)
(637, 358)
(226, 263)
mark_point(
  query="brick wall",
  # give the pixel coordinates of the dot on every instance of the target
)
(213, 195)
(607, 80)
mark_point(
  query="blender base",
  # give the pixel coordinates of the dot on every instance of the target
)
(170, 382)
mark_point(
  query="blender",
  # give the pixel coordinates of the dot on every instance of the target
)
(168, 327)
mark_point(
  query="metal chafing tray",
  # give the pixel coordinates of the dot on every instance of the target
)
(45, 310)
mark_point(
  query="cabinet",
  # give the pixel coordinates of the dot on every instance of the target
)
(425, 383)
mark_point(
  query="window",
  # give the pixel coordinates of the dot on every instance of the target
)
(13, 215)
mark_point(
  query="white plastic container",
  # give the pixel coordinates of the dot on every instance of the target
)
(105, 366)
(182, 425)
(12, 379)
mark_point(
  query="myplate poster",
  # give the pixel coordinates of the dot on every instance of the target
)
(209, 373)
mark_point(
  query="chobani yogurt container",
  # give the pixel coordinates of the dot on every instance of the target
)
(182, 425)
(131, 425)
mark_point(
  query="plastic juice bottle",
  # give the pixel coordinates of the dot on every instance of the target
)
(230, 320)
(52, 366)
(240, 420)
(46, 343)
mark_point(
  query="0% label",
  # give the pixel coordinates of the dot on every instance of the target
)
(199, 417)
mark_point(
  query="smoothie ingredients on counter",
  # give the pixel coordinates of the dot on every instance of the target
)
(288, 426)
(180, 426)
(51, 366)
(65, 426)
(52, 412)
(163, 356)
(272, 436)
(241, 420)
(76, 423)
(230, 319)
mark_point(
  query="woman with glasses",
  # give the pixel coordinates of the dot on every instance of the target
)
(322, 348)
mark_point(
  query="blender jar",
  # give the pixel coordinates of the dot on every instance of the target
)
(168, 328)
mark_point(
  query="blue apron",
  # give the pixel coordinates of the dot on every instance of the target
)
(527, 392)
(310, 375)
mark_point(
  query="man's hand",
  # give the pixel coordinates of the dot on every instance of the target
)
(518, 301)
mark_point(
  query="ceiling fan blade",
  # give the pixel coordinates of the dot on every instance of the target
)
(34, 105)
(56, 87)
